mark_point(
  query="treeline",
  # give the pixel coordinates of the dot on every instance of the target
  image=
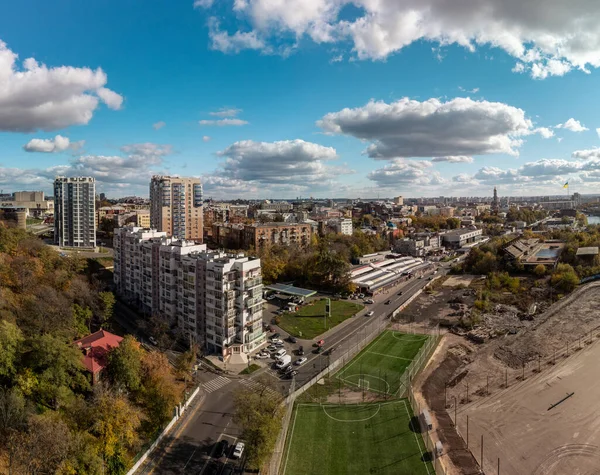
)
(434, 223)
(324, 264)
(525, 214)
(51, 418)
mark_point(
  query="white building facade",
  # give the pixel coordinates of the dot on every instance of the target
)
(210, 297)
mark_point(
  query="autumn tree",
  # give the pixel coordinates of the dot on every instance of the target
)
(160, 391)
(185, 363)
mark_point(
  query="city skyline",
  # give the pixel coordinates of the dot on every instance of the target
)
(262, 103)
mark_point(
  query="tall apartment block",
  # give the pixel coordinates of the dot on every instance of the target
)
(75, 212)
(211, 297)
(176, 207)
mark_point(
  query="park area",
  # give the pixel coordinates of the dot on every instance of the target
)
(355, 439)
(309, 321)
(380, 366)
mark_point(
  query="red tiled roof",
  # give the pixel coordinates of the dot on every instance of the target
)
(96, 347)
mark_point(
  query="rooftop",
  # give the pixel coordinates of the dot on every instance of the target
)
(587, 251)
(96, 347)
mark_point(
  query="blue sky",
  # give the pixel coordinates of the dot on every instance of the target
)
(270, 99)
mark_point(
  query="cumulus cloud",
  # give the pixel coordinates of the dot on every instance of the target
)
(205, 138)
(545, 132)
(203, 3)
(586, 154)
(454, 159)
(159, 125)
(572, 125)
(564, 37)
(57, 144)
(287, 162)
(226, 112)
(403, 172)
(224, 122)
(37, 97)
(598, 131)
(226, 43)
(475, 90)
(409, 128)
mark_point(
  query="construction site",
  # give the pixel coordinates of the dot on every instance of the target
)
(519, 386)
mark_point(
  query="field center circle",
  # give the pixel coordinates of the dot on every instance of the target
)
(351, 420)
(366, 377)
(414, 337)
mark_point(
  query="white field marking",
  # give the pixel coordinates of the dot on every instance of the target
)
(289, 445)
(358, 357)
(414, 338)
(391, 356)
(416, 438)
(363, 383)
(352, 420)
(362, 376)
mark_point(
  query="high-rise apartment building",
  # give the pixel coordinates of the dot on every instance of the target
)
(213, 298)
(176, 206)
(75, 212)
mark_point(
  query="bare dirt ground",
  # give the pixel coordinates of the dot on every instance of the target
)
(510, 381)
(527, 437)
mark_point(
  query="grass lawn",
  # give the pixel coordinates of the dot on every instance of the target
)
(354, 439)
(308, 322)
(381, 364)
(250, 369)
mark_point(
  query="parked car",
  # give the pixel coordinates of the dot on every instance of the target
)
(290, 375)
(369, 301)
(268, 328)
(292, 339)
(387, 302)
(370, 313)
(274, 341)
(300, 361)
(337, 296)
(361, 296)
(272, 348)
(153, 340)
(320, 342)
(221, 448)
(279, 344)
(270, 297)
(274, 336)
(400, 293)
(261, 356)
(319, 349)
(300, 351)
(238, 450)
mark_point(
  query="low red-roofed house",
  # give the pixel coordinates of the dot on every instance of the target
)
(95, 349)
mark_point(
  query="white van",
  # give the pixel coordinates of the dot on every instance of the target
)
(279, 354)
(284, 361)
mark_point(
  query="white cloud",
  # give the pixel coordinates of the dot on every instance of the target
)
(564, 37)
(586, 154)
(159, 125)
(226, 112)
(572, 125)
(57, 144)
(598, 131)
(545, 132)
(37, 97)
(203, 3)
(224, 122)
(404, 172)
(287, 162)
(475, 90)
(205, 138)
(110, 98)
(454, 159)
(226, 43)
(409, 128)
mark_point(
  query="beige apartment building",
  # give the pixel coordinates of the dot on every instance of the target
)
(176, 207)
(213, 297)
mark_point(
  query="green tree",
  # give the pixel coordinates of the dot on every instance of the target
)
(59, 368)
(107, 304)
(259, 415)
(83, 320)
(564, 278)
(185, 363)
(124, 369)
(11, 339)
(13, 414)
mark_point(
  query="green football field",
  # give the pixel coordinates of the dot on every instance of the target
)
(364, 439)
(379, 366)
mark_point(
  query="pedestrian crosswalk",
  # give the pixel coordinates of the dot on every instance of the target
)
(256, 386)
(216, 383)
